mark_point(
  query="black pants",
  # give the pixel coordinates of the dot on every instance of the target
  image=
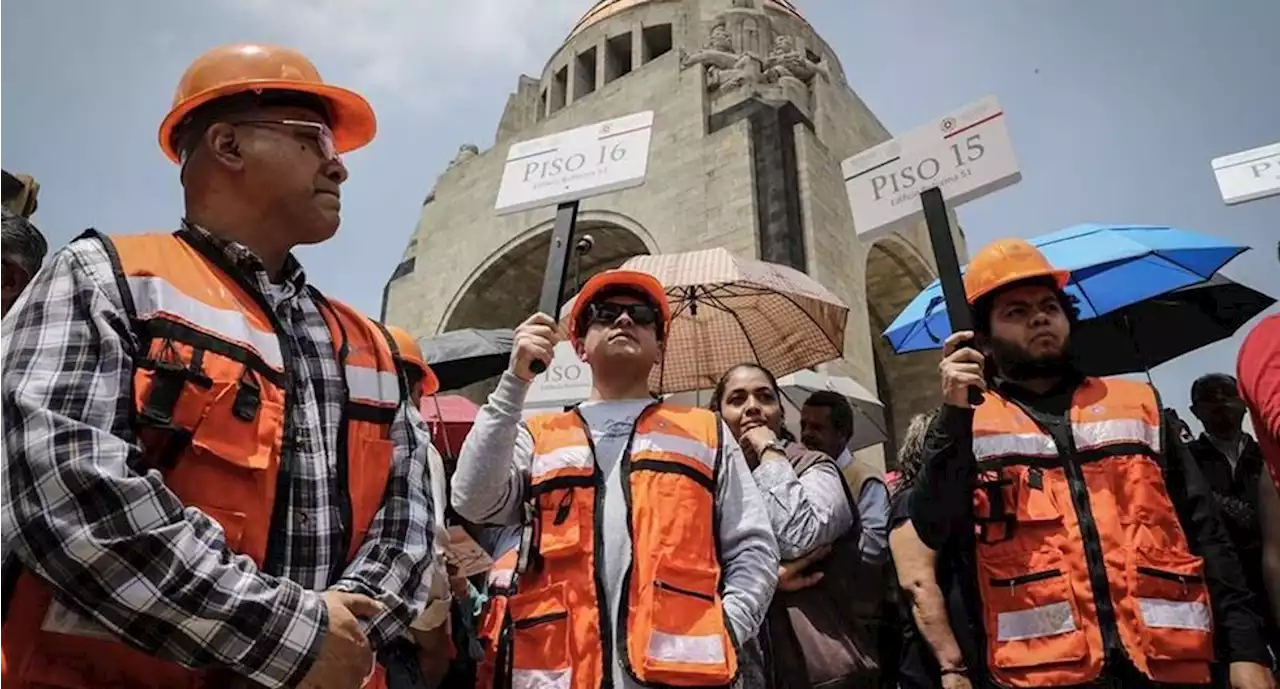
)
(400, 658)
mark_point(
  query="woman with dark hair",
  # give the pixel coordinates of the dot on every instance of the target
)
(809, 638)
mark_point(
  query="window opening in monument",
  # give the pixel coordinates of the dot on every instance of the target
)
(617, 57)
(655, 41)
(559, 88)
(584, 73)
(542, 106)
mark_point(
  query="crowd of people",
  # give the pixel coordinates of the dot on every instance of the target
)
(217, 476)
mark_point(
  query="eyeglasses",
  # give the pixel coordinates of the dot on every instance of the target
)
(608, 312)
(317, 131)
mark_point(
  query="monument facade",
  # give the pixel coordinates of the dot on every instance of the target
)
(753, 115)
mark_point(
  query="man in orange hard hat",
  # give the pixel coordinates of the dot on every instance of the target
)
(647, 554)
(430, 629)
(1089, 550)
(213, 476)
(419, 376)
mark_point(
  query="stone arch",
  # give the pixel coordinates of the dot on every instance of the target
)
(504, 290)
(906, 383)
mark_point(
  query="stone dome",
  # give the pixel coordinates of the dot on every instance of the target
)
(604, 9)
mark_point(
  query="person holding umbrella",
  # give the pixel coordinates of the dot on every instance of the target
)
(1097, 555)
(647, 556)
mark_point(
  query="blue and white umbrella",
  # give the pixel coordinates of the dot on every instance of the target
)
(1112, 266)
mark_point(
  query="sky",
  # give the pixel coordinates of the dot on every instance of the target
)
(1114, 108)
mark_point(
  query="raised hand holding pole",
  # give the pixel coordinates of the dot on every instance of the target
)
(557, 266)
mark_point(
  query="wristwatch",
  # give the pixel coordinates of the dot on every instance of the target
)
(775, 446)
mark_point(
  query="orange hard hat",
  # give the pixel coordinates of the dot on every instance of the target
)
(411, 354)
(642, 283)
(242, 67)
(1006, 261)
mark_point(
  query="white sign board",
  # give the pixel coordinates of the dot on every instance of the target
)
(566, 381)
(1249, 175)
(575, 164)
(966, 153)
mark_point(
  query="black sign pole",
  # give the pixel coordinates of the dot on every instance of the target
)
(558, 266)
(944, 254)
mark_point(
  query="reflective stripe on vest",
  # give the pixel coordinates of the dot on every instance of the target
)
(371, 386)
(675, 631)
(1087, 436)
(1034, 577)
(155, 297)
(210, 415)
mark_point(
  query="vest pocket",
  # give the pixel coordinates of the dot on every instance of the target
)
(1173, 606)
(226, 433)
(368, 469)
(540, 627)
(682, 624)
(1031, 616)
(561, 514)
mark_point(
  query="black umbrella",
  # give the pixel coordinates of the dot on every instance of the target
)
(462, 357)
(1149, 333)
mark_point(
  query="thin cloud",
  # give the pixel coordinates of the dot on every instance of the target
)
(428, 53)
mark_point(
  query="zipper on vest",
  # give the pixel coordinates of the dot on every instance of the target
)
(1059, 429)
(1011, 582)
(540, 619)
(603, 607)
(658, 583)
(1183, 579)
(274, 557)
(624, 595)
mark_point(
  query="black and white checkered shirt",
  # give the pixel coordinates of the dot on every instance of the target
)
(117, 545)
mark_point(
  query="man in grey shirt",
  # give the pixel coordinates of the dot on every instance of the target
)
(618, 322)
(826, 425)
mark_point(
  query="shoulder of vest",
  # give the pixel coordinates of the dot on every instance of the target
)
(695, 414)
(365, 328)
(1141, 390)
(539, 422)
(153, 252)
(860, 472)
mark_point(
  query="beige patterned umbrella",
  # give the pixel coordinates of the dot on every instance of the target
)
(728, 310)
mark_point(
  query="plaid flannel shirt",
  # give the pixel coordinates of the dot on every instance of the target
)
(118, 546)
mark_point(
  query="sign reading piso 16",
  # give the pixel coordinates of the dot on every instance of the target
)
(966, 154)
(1248, 175)
(574, 164)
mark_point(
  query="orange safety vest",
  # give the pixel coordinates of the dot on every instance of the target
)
(1083, 554)
(502, 577)
(211, 407)
(671, 622)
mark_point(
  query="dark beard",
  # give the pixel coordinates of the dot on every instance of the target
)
(1016, 363)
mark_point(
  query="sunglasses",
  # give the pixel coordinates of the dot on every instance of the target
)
(608, 312)
(316, 131)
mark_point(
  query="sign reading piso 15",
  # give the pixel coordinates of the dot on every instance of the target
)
(1248, 175)
(574, 164)
(966, 153)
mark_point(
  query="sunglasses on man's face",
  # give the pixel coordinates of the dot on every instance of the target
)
(608, 312)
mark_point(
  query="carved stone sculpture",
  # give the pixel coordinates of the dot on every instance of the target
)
(733, 57)
(788, 61)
